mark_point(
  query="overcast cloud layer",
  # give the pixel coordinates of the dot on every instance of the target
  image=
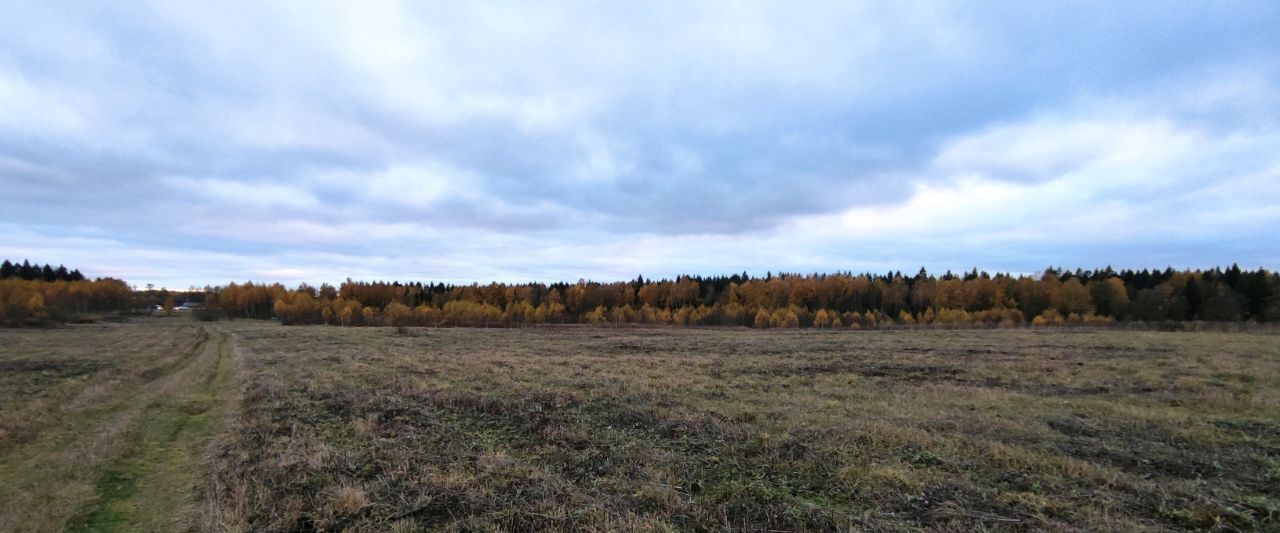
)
(182, 144)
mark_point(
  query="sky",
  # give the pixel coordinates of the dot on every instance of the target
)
(190, 143)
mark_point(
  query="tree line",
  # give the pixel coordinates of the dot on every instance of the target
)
(837, 300)
(30, 272)
(32, 295)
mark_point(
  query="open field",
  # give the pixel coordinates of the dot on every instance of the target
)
(166, 424)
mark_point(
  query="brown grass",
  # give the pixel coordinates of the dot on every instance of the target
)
(109, 449)
(665, 429)
(315, 428)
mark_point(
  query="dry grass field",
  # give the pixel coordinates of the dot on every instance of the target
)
(235, 426)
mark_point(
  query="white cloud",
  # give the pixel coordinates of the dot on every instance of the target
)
(1088, 181)
(45, 110)
(603, 160)
(421, 185)
(1049, 147)
(235, 195)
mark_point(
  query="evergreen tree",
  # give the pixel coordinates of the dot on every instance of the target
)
(7, 270)
(1194, 301)
(1232, 276)
(1257, 292)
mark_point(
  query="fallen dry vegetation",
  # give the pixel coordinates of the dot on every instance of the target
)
(672, 429)
(166, 424)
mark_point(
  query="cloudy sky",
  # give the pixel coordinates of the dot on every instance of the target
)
(182, 144)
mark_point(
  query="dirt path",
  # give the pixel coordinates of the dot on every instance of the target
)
(131, 465)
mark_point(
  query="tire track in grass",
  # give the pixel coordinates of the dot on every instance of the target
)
(152, 488)
(77, 401)
(129, 449)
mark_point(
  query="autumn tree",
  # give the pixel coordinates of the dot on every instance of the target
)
(397, 314)
(1073, 297)
(1109, 296)
(971, 299)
